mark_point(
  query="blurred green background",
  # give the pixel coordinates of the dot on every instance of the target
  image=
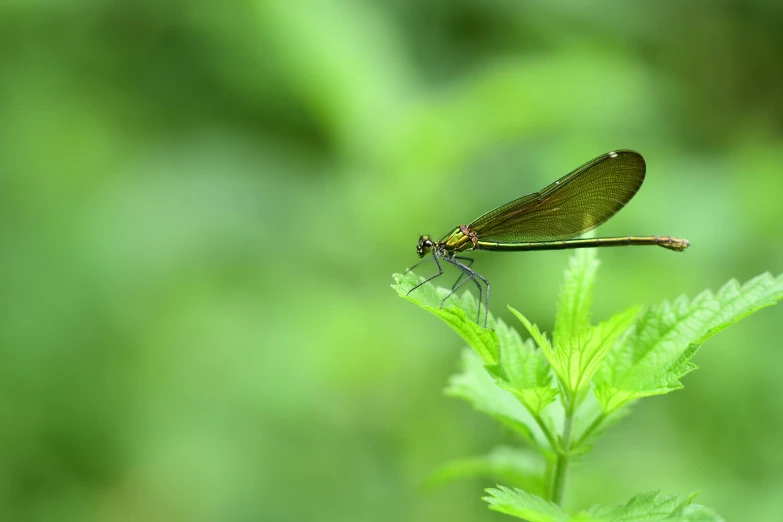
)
(202, 204)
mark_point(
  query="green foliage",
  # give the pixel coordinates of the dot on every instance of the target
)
(653, 506)
(595, 370)
(484, 341)
(476, 386)
(524, 505)
(576, 295)
(656, 353)
(646, 507)
(579, 348)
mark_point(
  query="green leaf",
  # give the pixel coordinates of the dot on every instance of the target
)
(524, 365)
(539, 337)
(576, 359)
(527, 373)
(576, 296)
(647, 507)
(522, 504)
(653, 506)
(477, 387)
(536, 399)
(656, 353)
(530, 379)
(578, 349)
(521, 468)
(583, 356)
(460, 316)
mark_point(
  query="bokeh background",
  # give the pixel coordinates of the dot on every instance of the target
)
(202, 204)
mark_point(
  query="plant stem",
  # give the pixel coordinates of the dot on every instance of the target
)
(561, 466)
(549, 437)
(590, 429)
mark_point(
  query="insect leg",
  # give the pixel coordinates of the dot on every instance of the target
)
(440, 272)
(417, 264)
(469, 263)
(472, 274)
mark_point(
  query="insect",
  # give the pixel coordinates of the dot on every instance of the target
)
(547, 220)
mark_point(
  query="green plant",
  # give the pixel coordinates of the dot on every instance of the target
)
(559, 392)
